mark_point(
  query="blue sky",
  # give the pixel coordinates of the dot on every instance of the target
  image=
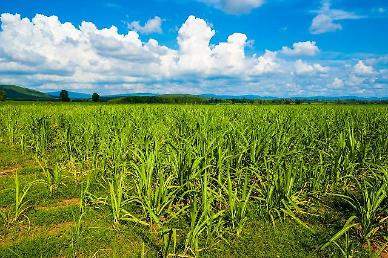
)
(270, 48)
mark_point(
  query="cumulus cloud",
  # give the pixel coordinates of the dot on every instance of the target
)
(307, 48)
(193, 40)
(364, 74)
(86, 55)
(362, 69)
(153, 25)
(327, 19)
(45, 53)
(196, 55)
(230, 55)
(302, 67)
(267, 63)
(337, 83)
(234, 6)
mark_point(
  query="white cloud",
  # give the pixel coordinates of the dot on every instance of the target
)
(384, 74)
(267, 63)
(194, 45)
(355, 80)
(305, 68)
(196, 55)
(324, 23)
(230, 55)
(307, 48)
(362, 69)
(337, 83)
(104, 56)
(363, 74)
(45, 53)
(234, 6)
(153, 25)
(84, 54)
(327, 19)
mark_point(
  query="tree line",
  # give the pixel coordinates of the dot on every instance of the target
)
(190, 99)
(3, 95)
(64, 96)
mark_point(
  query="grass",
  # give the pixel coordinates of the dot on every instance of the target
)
(193, 181)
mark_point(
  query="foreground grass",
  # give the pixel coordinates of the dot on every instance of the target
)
(183, 181)
(50, 229)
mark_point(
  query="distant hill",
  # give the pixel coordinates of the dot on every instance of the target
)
(214, 98)
(249, 97)
(161, 99)
(340, 98)
(119, 96)
(19, 93)
(82, 96)
(72, 95)
(311, 98)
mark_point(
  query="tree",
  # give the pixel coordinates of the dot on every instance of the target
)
(95, 97)
(3, 95)
(64, 95)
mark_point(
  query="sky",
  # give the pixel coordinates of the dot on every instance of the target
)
(282, 48)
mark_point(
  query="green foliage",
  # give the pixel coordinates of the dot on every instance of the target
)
(64, 96)
(369, 207)
(344, 231)
(95, 97)
(195, 176)
(199, 99)
(116, 188)
(53, 175)
(163, 99)
(3, 95)
(19, 207)
(38, 247)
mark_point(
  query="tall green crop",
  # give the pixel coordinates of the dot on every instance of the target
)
(195, 174)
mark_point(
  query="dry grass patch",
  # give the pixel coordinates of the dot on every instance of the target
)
(59, 205)
(27, 233)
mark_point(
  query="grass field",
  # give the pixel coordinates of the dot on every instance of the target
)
(94, 180)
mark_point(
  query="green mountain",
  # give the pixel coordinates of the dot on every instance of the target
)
(19, 93)
(161, 99)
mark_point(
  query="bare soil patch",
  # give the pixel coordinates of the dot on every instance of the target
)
(62, 204)
(34, 232)
(9, 171)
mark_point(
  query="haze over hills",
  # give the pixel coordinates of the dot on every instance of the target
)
(80, 95)
(72, 95)
(14, 92)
